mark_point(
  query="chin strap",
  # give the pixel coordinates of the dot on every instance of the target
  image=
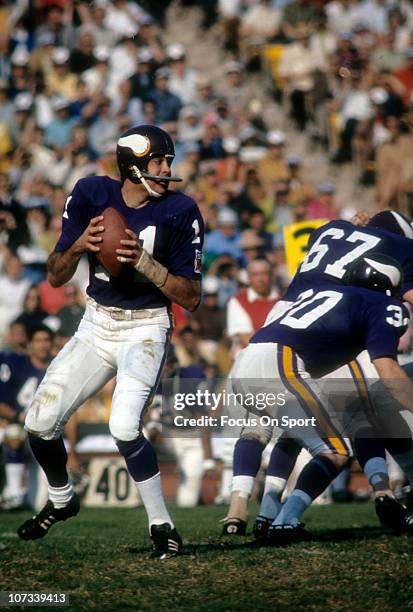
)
(142, 176)
(138, 174)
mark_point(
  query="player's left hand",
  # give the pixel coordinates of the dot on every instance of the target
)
(132, 250)
(361, 218)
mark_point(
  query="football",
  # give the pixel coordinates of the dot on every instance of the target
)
(115, 225)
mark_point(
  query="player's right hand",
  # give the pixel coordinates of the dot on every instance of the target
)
(90, 239)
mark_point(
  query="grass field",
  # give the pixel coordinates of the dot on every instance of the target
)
(101, 559)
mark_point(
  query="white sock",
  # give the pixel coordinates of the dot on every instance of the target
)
(152, 497)
(271, 500)
(61, 496)
(293, 508)
(243, 485)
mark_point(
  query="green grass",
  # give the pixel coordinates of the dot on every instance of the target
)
(101, 559)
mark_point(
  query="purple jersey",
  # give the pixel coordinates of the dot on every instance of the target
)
(328, 327)
(19, 379)
(334, 246)
(171, 229)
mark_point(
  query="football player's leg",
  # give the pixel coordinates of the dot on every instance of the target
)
(255, 363)
(73, 376)
(139, 367)
(315, 477)
(370, 443)
(282, 461)
(323, 440)
(398, 434)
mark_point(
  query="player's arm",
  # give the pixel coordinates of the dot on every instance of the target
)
(408, 297)
(183, 291)
(395, 380)
(61, 265)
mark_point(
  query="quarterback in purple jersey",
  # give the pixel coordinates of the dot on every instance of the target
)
(127, 324)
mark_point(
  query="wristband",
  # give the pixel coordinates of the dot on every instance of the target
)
(152, 269)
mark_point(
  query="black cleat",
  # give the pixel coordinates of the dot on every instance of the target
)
(38, 526)
(234, 526)
(407, 523)
(281, 535)
(260, 528)
(166, 542)
(392, 514)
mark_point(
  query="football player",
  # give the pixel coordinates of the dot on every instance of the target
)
(295, 348)
(332, 249)
(20, 375)
(126, 327)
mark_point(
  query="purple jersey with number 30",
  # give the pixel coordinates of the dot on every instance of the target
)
(171, 229)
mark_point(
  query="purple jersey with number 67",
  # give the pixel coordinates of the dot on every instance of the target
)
(171, 229)
(334, 246)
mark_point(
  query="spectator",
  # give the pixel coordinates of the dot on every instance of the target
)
(236, 91)
(403, 79)
(247, 311)
(142, 79)
(301, 189)
(209, 319)
(94, 21)
(103, 132)
(70, 315)
(261, 20)
(57, 22)
(356, 107)
(257, 223)
(390, 159)
(6, 106)
(122, 17)
(342, 15)
(296, 14)
(167, 104)
(19, 78)
(252, 245)
(187, 347)
(297, 66)
(124, 105)
(58, 132)
(60, 81)
(82, 57)
(13, 289)
(323, 206)
(211, 140)
(273, 166)
(205, 95)
(32, 315)
(224, 240)
(96, 77)
(189, 126)
(182, 80)
(16, 338)
(13, 224)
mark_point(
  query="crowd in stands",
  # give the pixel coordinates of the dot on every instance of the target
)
(74, 75)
